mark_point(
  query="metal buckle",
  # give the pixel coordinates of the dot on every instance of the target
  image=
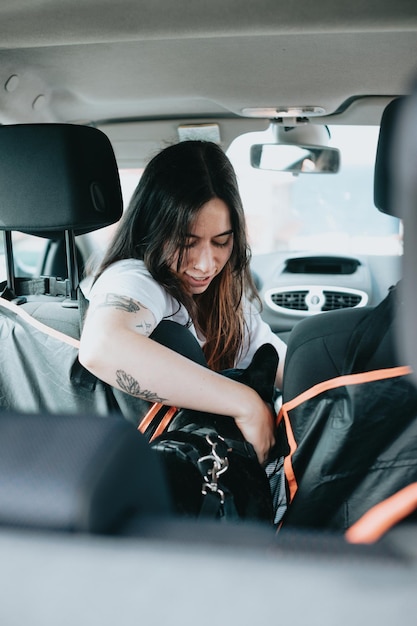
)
(220, 465)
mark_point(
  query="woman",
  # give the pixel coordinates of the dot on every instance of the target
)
(180, 253)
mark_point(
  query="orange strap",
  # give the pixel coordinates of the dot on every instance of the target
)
(150, 416)
(316, 390)
(147, 419)
(164, 422)
(383, 516)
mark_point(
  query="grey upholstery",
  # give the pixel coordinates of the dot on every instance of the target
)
(77, 473)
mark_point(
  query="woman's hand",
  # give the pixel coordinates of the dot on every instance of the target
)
(257, 426)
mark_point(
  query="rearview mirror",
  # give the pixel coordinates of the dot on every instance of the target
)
(296, 159)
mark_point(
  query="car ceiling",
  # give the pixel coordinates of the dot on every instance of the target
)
(117, 64)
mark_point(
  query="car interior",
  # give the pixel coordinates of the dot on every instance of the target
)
(316, 107)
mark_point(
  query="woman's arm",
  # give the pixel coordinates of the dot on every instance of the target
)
(115, 346)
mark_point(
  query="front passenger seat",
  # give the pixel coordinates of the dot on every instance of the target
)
(318, 346)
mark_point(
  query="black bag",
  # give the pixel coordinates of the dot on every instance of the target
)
(353, 439)
(211, 470)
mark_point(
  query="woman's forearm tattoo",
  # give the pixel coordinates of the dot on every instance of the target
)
(127, 383)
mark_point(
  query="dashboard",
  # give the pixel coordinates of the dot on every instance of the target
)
(295, 286)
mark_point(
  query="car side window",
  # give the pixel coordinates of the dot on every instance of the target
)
(28, 252)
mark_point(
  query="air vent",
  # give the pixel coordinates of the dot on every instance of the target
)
(321, 265)
(313, 299)
(295, 300)
(340, 300)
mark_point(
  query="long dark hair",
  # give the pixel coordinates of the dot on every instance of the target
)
(174, 186)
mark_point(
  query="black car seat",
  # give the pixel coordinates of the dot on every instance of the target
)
(72, 470)
(56, 181)
(317, 346)
(405, 190)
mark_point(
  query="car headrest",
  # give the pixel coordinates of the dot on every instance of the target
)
(57, 177)
(405, 180)
(383, 176)
(77, 473)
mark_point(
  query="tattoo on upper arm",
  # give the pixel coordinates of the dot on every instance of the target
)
(127, 383)
(123, 303)
(120, 302)
(146, 327)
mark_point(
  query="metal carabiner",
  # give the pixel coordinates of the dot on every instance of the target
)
(220, 465)
(222, 462)
(209, 487)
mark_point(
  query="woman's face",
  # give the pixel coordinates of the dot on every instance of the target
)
(208, 246)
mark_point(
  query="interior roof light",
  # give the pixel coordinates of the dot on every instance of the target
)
(288, 111)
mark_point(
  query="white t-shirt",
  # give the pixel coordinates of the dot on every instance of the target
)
(131, 279)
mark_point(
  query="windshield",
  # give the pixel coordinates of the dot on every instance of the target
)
(317, 212)
(332, 213)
